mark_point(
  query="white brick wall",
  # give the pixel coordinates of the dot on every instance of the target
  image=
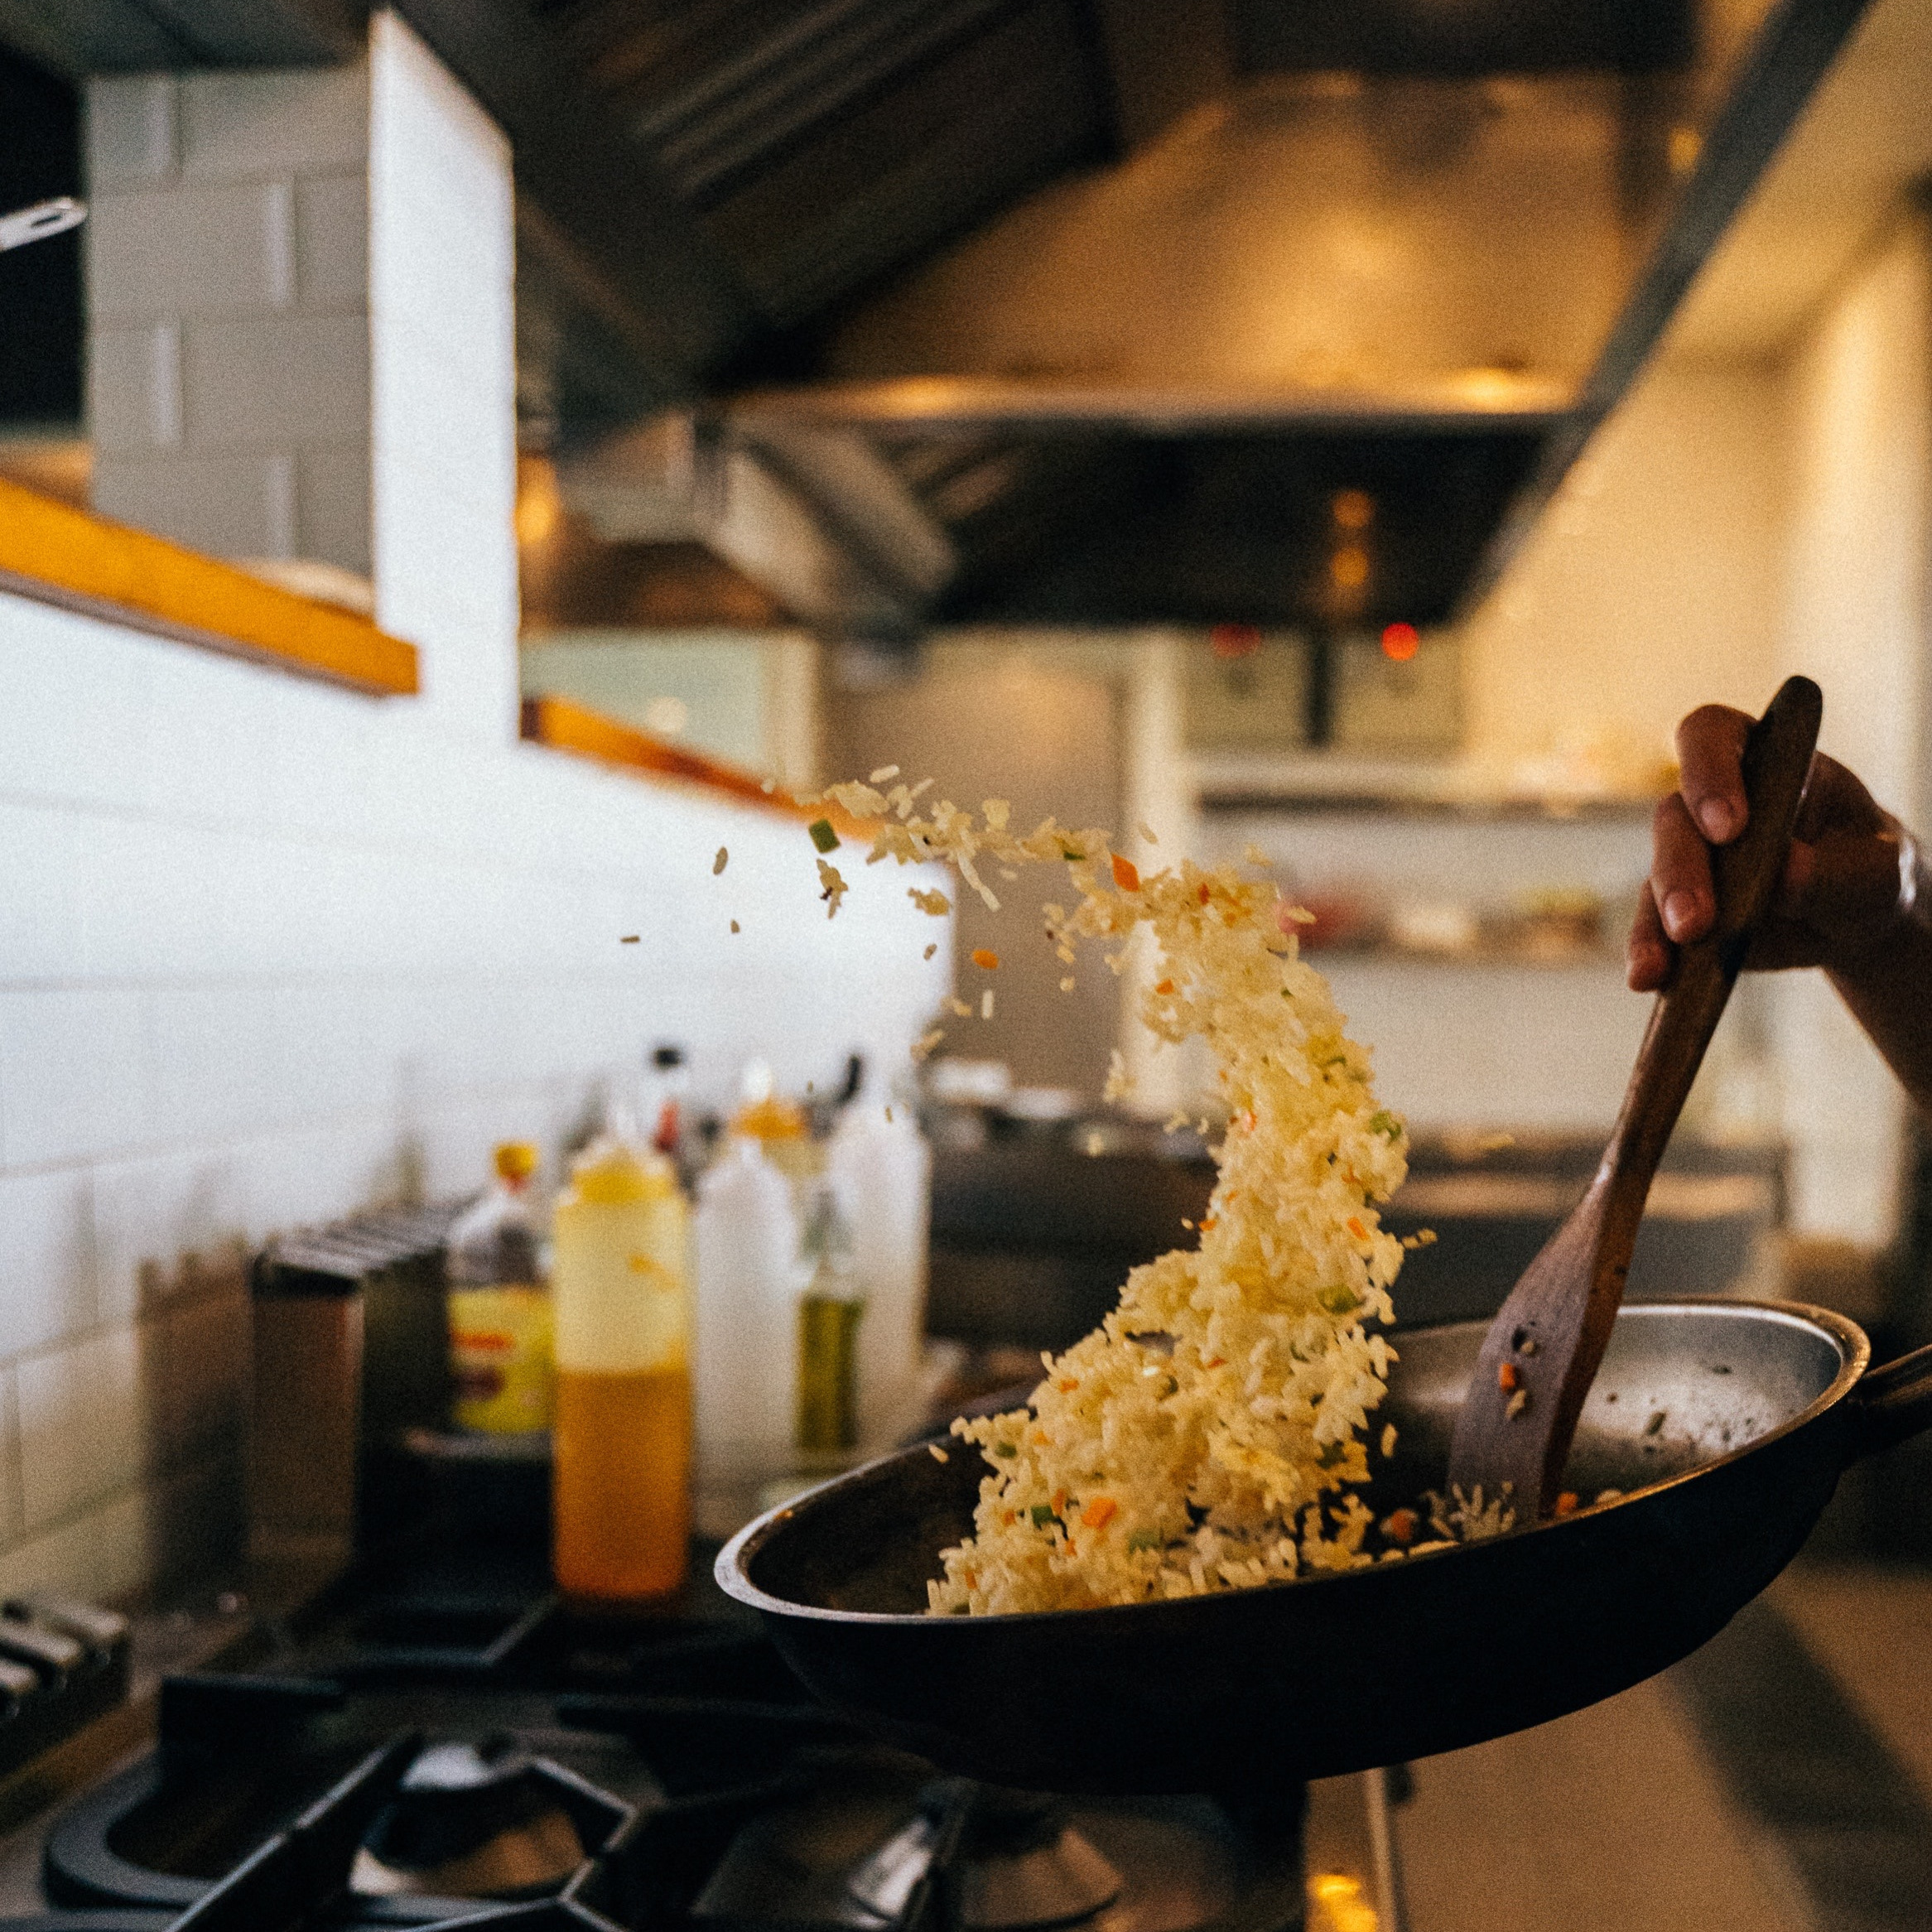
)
(228, 301)
(442, 328)
(270, 953)
(266, 949)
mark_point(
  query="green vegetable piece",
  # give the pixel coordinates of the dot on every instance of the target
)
(1145, 1539)
(1339, 1300)
(1042, 1514)
(1385, 1123)
(1005, 1449)
(822, 834)
(1333, 1454)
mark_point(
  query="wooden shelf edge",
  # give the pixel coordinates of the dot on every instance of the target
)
(52, 553)
(563, 725)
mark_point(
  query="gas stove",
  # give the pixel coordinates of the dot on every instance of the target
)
(445, 1744)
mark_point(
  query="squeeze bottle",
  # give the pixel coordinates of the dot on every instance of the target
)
(622, 1436)
(746, 1246)
(880, 1168)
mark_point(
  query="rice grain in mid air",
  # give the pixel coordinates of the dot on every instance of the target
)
(1208, 1435)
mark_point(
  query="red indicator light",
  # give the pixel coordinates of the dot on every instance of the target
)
(1235, 640)
(1400, 641)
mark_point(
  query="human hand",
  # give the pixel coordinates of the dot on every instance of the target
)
(1848, 885)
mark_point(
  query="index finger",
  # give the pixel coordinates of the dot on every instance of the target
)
(1710, 751)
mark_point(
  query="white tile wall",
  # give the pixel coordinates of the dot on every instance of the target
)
(442, 381)
(206, 250)
(228, 285)
(225, 506)
(308, 375)
(48, 1246)
(81, 1425)
(132, 130)
(291, 948)
(270, 953)
(72, 1072)
(236, 126)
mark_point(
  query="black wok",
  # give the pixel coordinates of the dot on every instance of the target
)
(1727, 1423)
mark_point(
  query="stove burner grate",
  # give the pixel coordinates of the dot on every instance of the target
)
(672, 1780)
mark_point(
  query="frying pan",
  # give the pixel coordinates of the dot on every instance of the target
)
(1725, 1424)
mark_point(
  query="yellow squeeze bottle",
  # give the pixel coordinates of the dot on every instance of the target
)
(621, 1495)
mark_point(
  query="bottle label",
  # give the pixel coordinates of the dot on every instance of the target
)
(500, 1358)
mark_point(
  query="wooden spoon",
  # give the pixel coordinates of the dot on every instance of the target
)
(1542, 1351)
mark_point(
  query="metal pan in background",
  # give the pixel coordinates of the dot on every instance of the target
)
(1726, 1424)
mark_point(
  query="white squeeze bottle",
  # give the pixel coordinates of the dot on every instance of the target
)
(881, 1169)
(747, 1243)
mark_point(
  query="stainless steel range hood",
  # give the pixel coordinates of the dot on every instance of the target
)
(1312, 353)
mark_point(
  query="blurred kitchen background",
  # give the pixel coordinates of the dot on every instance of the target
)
(1351, 434)
(1358, 441)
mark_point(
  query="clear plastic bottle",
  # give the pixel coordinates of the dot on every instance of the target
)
(501, 1359)
(746, 1245)
(881, 1167)
(623, 1431)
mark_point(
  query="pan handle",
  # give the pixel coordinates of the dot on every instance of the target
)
(1894, 1402)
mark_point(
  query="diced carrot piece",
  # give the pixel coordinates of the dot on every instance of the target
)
(1068, 1384)
(1125, 874)
(1400, 1525)
(1357, 1229)
(1505, 1376)
(986, 957)
(1205, 895)
(1100, 1512)
(1164, 986)
(1566, 1503)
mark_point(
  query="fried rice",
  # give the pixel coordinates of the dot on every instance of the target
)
(1210, 1433)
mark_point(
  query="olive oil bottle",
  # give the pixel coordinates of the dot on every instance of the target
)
(830, 1311)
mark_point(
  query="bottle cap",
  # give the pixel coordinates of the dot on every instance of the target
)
(618, 1173)
(516, 1160)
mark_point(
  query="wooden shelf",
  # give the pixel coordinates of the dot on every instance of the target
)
(55, 554)
(564, 725)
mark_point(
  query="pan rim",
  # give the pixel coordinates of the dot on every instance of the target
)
(731, 1572)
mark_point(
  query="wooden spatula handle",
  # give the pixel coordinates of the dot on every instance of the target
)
(1542, 1351)
(1777, 760)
